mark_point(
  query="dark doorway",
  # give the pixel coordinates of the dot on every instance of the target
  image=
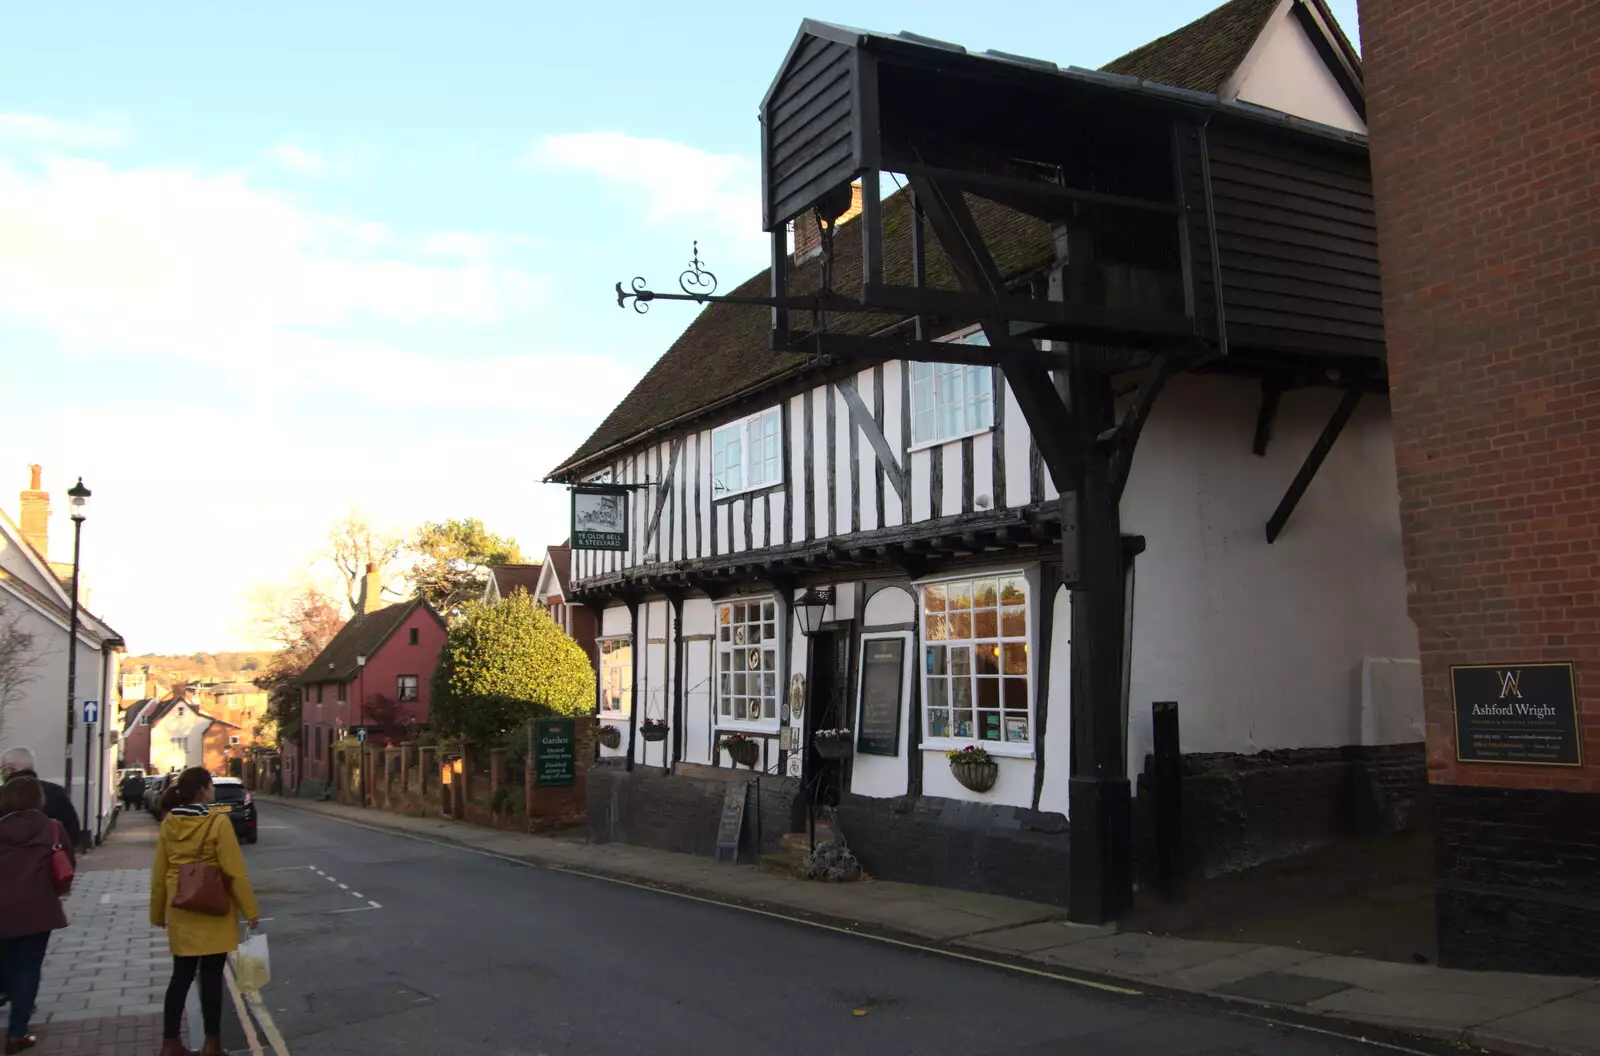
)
(827, 708)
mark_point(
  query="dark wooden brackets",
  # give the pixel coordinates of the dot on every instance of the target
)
(1125, 437)
(1319, 452)
(1271, 392)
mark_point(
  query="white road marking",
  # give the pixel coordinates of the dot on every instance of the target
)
(358, 909)
(345, 886)
(373, 904)
(357, 894)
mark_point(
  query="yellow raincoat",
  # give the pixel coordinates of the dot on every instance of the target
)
(192, 834)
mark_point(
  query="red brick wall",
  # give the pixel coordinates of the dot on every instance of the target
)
(1485, 155)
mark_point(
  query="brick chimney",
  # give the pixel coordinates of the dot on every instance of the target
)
(35, 519)
(808, 237)
(370, 599)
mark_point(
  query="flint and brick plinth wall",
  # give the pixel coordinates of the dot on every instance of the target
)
(680, 812)
(1484, 154)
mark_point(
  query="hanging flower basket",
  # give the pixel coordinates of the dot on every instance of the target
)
(653, 729)
(741, 749)
(973, 767)
(610, 736)
(834, 744)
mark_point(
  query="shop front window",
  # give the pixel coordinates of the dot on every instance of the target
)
(616, 676)
(975, 663)
(747, 662)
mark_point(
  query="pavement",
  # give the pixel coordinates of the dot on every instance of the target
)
(1100, 974)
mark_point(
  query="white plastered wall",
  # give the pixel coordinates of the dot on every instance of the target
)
(1283, 71)
(1267, 646)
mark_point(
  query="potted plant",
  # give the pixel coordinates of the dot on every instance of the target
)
(834, 744)
(653, 729)
(741, 749)
(610, 736)
(973, 767)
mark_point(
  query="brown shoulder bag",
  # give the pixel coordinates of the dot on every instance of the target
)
(202, 885)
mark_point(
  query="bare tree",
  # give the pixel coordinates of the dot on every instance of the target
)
(20, 653)
(355, 542)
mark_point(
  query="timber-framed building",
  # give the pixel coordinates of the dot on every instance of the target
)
(1088, 417)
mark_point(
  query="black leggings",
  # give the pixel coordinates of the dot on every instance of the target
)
(183, 969)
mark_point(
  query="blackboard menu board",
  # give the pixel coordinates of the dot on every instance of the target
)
(882, 684)
(1524, 714)
(731, 820)
(553, 752)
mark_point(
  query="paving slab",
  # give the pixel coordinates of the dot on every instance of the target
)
(1388, 975)
(1030, 938)
(1283, 988)
(1570, 1025)
(1213, 975)
(1437, 1009)
(1136, 955)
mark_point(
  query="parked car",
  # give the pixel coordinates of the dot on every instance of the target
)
(153, 787)
(234, 800)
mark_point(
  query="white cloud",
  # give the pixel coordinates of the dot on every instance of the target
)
(300, 160)
(676, 180)
(55, 132)
(197, 265)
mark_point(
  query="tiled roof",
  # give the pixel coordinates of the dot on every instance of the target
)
(560, 558)
(1202, 55)
(724, 351)
(508, 578)
(360, 637)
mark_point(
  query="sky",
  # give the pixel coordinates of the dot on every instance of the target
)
(263, 264)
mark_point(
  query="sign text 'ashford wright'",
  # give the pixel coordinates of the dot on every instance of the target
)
(1519, 714)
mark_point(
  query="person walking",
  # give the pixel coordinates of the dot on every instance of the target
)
(200, 942)
(20, 762)
(133, 790)
(30, 905)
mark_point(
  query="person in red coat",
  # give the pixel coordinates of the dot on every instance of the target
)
(30, 908)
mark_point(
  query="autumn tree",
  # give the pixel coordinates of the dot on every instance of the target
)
(453, 559)
(355, 542)
(504, 665)
(302, 624)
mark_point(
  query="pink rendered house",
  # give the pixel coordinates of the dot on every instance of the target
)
(376, 674)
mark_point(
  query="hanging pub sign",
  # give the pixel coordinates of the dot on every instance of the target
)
(1522, 714)
(599, 517)
(883, 681)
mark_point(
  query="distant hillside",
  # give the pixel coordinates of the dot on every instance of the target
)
(199, 667)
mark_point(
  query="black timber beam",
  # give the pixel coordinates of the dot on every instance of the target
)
(1266, 416)
(1030, 383)
(1314, 459)
(1125, 437)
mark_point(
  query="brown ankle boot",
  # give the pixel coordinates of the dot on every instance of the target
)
(213, 1047)
(174, 1047)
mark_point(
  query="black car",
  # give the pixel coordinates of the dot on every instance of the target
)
(234, 800)
(154, 786)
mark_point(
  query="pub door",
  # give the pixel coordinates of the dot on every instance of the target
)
(827, 708)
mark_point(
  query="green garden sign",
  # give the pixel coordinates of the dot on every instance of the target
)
(553, 753)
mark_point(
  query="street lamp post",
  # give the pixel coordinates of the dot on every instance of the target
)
(80, 510)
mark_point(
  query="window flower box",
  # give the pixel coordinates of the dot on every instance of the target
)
(741, 749)
(653, 729)
(834, 744)
(973, 767)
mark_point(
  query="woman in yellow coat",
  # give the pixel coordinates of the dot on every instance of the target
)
(200, 943)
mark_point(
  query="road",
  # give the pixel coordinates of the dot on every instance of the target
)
(386, 944)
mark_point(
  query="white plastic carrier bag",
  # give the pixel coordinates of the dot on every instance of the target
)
(252, 967)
